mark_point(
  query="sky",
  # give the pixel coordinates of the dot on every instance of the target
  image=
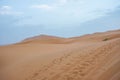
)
(20, 19)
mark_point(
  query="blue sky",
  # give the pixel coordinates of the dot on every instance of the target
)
(20, 19)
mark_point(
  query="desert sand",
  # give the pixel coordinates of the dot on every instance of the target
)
(88, 57)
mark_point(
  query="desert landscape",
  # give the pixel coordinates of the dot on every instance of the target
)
(89, 57)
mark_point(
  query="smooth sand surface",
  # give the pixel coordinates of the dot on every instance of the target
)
(89, 57)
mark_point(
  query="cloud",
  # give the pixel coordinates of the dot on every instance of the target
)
(43, 6)
(6, 7)
(8, 10)
(50, 7)
(63, 2)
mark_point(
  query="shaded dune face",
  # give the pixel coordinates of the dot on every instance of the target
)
(89, 57)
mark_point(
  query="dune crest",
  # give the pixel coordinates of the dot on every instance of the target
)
(43, 39)
(89, 57)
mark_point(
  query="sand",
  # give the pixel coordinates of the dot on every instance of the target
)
(88, 57)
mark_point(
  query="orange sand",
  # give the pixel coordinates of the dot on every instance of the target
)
(89, 57)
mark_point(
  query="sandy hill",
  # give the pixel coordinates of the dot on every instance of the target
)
(43, 39)
(88, 57)
(96, 37)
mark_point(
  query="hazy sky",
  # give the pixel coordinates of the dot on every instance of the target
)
(20, 19)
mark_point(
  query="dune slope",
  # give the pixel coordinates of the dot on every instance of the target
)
(89, 57)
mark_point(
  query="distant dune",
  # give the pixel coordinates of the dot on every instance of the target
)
(88, 57)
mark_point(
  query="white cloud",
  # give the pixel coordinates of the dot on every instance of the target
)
(44, 7)
(8, 10)
(6, 7)
(63, 2)
(50, 7)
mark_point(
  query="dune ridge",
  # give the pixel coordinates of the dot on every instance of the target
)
(89, 57)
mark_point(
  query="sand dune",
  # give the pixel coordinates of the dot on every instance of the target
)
(89, 57)
(44, 39)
